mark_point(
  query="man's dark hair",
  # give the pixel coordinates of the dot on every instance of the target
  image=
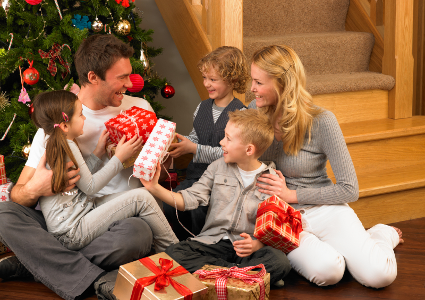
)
(98, 53)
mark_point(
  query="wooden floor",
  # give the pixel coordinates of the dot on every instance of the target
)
(410, 282)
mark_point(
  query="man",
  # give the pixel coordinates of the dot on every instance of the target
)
(103, 66)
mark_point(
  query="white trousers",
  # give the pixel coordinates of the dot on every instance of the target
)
(333, 237)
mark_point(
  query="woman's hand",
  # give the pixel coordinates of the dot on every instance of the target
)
(101, 144)
(247, 246)
(125, 150)
(276, 185)
(183, 147)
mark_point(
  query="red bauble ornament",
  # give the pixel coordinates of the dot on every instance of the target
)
(31, 75)
(167, 91)
(138, 83)
(30, 109)
(33, 2)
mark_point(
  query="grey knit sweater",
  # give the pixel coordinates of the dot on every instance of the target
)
(306, 172)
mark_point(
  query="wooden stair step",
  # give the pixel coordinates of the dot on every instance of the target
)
(364, 131)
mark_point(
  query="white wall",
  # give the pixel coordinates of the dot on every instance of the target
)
(170, 65)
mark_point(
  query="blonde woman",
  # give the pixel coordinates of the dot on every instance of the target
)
(306, 136)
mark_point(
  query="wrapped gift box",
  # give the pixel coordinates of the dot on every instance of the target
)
(3, 178)
(154, 150)
(110, 151)
(5, 190)
(236, 288)
(129, 275)
(4, 249)
(278, 224)
(133, 121)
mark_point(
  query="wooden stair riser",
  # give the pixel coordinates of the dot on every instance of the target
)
(355, 106)
(392, 207)
(388, 153)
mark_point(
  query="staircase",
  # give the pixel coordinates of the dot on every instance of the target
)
(388, 154)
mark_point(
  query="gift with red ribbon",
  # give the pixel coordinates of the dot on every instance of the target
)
(53, 54)
(278, 224)
(235, 283)
(157, 277)
(3, 178)
(131, 122)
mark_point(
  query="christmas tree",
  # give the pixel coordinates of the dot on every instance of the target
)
(45, 34)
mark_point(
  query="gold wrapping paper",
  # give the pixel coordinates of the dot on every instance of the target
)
(236, 288)
(129, 273)
(110, 150)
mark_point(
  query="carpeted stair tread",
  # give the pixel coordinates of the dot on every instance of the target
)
(322, 53)
(348, 82)
(277, 17)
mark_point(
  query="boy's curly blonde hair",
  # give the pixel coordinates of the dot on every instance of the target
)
(230, 63)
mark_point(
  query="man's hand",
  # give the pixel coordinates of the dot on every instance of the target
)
(183, 147)
(247, 246)
(34, 183)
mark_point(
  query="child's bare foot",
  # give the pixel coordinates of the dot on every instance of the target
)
(401, 241)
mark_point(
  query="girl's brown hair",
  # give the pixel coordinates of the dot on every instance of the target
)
(295, 110)
(230, 63)
(48, 109)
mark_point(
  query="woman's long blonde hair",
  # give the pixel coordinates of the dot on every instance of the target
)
(294, 111)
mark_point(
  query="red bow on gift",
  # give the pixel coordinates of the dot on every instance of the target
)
(162, 278)
(124, 3)
(233, 272)
(291, 217)
(55, 54)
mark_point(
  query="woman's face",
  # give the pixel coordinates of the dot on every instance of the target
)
(263, 88)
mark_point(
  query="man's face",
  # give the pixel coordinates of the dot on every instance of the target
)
(117, 81)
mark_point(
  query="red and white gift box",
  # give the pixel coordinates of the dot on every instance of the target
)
(5, 190)
(278, 224)
(3, 178)
(133, 121)
(154, 150)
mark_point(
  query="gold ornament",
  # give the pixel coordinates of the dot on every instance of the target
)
(145, 60)
(26, 150)
(97, 25)
(123, 27)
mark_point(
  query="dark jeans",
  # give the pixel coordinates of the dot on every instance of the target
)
(193, 255)
(193, 220)
(69, 273)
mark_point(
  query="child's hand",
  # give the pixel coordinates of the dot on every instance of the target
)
(101, 144)
(247, 246)
(125, 150)
(150, 185)
(185, 146)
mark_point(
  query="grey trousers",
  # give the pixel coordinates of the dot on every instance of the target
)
(193, 255)
(69, 273)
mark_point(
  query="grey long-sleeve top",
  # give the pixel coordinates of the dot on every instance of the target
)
(63, 211)
(306, 172)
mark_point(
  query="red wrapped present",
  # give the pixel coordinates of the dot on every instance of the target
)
(235, 283)
(4, 249)
(278, 224)
(157, 277)
(154, 150)
(133, 121)
(170, 181)
(3, 178)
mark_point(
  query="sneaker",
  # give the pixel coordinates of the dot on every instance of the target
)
(104, 286)
(11, 268)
